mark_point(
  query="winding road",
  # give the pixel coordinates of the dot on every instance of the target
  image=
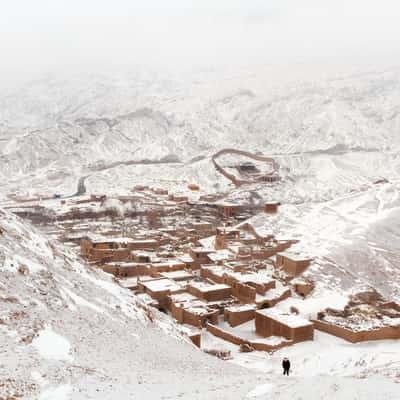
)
(236, 181)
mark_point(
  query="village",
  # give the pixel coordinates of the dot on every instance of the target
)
(199, 261)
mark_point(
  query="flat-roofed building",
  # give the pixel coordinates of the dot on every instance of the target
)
(293, 264)
(273, 322)
(271, 207)
(160, 289)
(210, 292)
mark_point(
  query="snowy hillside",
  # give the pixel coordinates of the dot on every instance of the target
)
(59, 129)
(354, 239)
(69, 332)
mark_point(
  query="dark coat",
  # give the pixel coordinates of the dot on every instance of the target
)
(286, 364)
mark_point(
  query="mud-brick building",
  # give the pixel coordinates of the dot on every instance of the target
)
(200, 256)
(166, 266)
(143, 244)
(293, 264)
(271, 207)
(126, 269)
(100, 249)
(112, 249)
(160, 290)
(273, 322)
(226, 235)
(229, 209)
(210, 292)
(239, 314)
(187, 309)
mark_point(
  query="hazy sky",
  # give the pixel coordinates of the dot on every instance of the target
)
(37, 35)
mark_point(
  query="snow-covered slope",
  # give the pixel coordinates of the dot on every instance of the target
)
(59, 128)
(70, 332)
(355, 239)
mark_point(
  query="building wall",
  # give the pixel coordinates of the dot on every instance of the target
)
(109, 255)
(211, 295)
(360, 336)
(86, 246)
(271, 208)
(145, 245)
(218, 332)
(208, 274)
(244, 293)
(229, 337)
(235, 318)
(266, 326)
(291, 267)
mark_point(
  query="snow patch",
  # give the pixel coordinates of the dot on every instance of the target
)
(52, 346)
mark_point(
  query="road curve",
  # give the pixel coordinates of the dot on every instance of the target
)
(233, 178)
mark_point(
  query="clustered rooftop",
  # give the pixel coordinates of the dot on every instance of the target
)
(203, 264)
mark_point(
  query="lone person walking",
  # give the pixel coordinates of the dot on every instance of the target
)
(286, 366)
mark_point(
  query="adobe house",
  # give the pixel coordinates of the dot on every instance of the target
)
(259, 282)
(229, 209)
(187, 309)
(209, 292)
(166, 266)
(273, 322)
(178, 276)
(97, 248)
(293, 264)
(200, 256)
(224, 235)
(160, 290)
(271, 207)
(126, 269)
(262, 252)
(202, 226)
(242, 291)
(239, 314)
(187, 260)
(284, 244)
(143, 244)
(214, 273)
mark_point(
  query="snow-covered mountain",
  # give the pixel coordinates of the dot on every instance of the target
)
(63, 128)
(337, 144)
